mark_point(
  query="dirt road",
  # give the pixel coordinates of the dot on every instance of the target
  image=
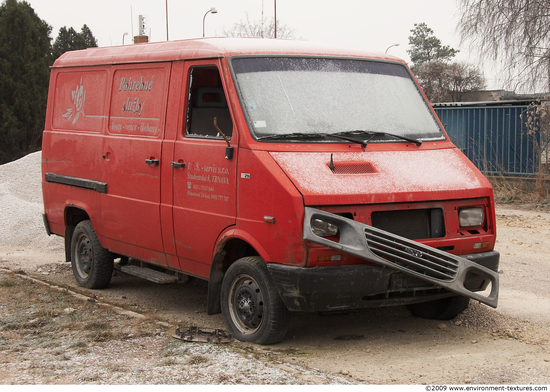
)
(509, 345)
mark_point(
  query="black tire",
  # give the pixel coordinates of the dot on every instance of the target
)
(92, 264)
(251, 306)
(441, 309)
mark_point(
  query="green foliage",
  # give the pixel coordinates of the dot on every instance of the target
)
(425, 47)
(69, 39)
(440, 80)
(25, 56)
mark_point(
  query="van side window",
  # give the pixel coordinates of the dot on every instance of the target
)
(206, 101)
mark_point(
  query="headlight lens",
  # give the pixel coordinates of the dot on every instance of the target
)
(323, 229)
(471, 217)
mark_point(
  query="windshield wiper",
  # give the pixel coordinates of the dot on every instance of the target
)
(295, 135)
(349, 136)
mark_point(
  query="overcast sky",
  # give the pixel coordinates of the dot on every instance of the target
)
(367, 24)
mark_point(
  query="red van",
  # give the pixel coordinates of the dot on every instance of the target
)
(292, 176)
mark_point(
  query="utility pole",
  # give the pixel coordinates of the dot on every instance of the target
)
(167, 20)
(275, 2)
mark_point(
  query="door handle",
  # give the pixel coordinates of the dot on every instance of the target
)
(152, 162)
(177, 164)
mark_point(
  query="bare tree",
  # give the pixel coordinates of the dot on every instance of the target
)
(463, 78)
(517, 32)
(432, 78)
(444, 82)
(259, 28)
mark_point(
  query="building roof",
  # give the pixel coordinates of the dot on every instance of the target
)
(515, 102)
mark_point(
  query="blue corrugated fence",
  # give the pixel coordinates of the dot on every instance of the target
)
(500, 140)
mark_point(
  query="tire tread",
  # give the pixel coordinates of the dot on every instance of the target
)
(275, 326)
(102, 268)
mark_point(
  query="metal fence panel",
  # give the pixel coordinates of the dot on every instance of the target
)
(500, 140)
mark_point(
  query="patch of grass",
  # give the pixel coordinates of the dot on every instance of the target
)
(36, 318)
(117, 368)
(225, 379)
(511, 190)
(63, 357)
(173, 348)
(79, 344)
(90, 379)
(170, 361)
(7, 283)
(197, 360)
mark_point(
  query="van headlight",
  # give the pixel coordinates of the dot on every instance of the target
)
(471, 217)
(322, 228)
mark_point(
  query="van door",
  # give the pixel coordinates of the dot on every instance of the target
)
(204, 180)
(132, 155)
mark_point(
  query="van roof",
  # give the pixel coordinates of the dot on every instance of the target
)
(205, 48)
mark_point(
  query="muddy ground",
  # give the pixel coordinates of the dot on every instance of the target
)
(507, 345)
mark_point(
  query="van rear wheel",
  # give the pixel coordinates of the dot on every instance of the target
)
(250, 303)
(91, 263)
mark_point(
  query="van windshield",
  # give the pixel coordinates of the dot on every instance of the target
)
(314, 98)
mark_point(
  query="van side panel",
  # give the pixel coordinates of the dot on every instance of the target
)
(264, 191)
(204, 180)
(174, 117)
(72, 166)
(132, 153)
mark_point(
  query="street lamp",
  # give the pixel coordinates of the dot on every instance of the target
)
(211, 10)
(391, 46)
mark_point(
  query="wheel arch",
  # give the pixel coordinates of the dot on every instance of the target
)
(229, 250)
(73, 215)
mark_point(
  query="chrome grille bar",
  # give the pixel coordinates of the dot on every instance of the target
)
(419, 260)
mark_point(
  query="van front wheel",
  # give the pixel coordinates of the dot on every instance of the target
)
(91, 263)
(250, 303)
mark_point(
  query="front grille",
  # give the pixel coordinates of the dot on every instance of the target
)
(411, 257)
(412, 224)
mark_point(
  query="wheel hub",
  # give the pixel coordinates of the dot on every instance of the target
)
(248, 305)
(84, 257)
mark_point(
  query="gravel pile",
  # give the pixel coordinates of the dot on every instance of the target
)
(22, 206)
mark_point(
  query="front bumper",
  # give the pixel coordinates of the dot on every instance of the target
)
(364, 285)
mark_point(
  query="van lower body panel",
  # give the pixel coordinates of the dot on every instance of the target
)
(431, 265)
(360, 286)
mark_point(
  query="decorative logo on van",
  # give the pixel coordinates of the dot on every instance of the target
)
(78, 96)
(414, 252)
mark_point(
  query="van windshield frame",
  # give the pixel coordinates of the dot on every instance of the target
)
(308, 99)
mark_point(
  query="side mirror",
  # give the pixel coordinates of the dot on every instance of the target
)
(229, 152)
(228, 149)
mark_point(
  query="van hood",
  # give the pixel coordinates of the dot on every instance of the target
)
(382, 176)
